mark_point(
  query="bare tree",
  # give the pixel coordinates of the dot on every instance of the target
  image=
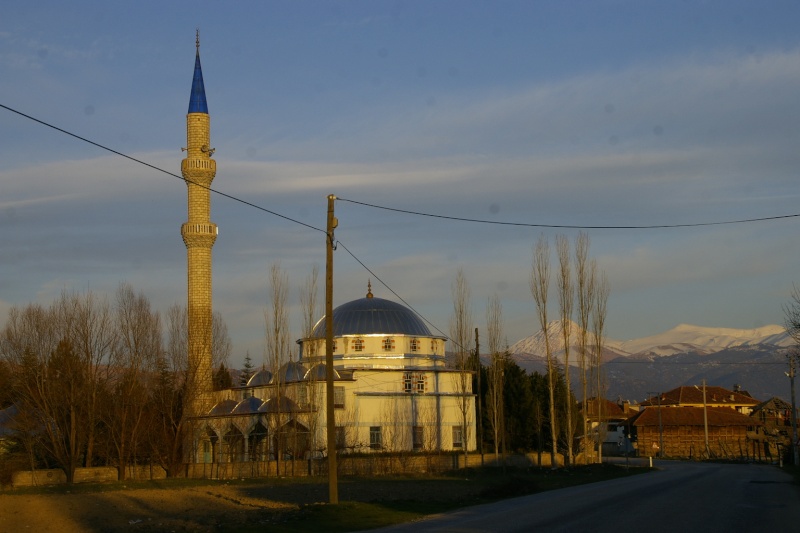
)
(134, 362)
(276, 319)
(584, 289)
(566, 302)
(170, 428)
(495, 338)
(88, 323)
(220, 341)
(540, 284)
(461, 338)
(308, 303)
(598, 331)
(49, 386)
(58, 355)
(791, 312)
(397, 428)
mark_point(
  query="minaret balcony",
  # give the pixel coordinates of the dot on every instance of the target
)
(199, 234)
(189, 164)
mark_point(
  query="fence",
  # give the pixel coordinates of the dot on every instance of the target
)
(348, 465)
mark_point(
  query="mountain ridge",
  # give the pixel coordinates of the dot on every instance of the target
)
(683, 338)
(754, 359)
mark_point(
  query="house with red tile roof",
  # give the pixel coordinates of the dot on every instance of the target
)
(712, 396)
(692, 432)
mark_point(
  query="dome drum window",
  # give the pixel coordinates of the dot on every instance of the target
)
(414, 382)
(388, 344)
(358, 345)
(415, 345)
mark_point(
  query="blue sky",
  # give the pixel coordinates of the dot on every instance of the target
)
(602, 113)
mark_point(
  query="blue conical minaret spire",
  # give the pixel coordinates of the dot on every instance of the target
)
(197, 101)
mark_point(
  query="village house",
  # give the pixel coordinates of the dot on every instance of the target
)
(691, 432)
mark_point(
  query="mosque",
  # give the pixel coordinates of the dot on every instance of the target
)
(393, 391)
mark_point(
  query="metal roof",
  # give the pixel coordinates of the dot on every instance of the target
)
(371, 315)
(197, 101)
(260, 378)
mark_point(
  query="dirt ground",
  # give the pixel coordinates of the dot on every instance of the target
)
(198, 508)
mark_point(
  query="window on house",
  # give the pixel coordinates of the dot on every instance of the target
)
(417, 437)
(358, 345)
(388, 344)
(338, 397)
(375, 438)
(341, 441)
(415, 345)
(458, 437)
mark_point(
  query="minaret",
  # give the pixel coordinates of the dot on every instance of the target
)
(199, 234)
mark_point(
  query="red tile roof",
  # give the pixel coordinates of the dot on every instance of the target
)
(694, 396)
(690, 416)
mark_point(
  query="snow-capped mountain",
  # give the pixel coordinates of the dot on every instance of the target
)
(684, 338)
(687, 338)
(684, 355)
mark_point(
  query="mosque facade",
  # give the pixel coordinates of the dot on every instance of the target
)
(393, 391)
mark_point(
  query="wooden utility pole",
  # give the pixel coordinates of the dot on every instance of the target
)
(333, 480)
(795, 458)
(705, 420)
(478, 368)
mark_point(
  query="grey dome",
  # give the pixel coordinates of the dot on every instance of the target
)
(290, 372)
(371, 315)
(319, 372)
(248, 406)
(223, 408)
(260, 378)
(279, 404)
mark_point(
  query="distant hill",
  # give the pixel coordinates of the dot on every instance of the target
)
(754, 359)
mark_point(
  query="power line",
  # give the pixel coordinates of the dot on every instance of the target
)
(391, 290)
(168, 173)
(245, 202)
(565, 226)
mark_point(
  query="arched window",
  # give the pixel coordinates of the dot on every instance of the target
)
(415, 345)
(388, 344)
(358, 345)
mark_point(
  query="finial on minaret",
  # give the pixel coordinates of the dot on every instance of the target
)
(197, 100)
(369, 288)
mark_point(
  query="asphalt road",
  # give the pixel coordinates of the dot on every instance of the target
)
(678, 496)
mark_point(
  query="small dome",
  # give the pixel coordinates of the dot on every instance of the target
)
(279, 404)
(248, 406)
(223, 408)
(260, 378)
(289, 372)
(319, 372)
(371, 315)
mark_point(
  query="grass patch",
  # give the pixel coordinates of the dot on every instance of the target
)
(471, 487)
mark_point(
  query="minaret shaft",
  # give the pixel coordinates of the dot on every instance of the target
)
(199, 234)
